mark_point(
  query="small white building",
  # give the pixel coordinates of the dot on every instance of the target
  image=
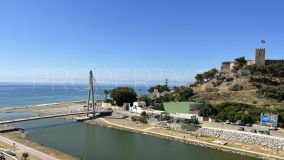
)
(141, 104)
(137, 107)
(183, 116)
(211, 120)
(106, 105)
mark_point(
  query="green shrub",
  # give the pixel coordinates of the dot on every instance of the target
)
(139, 119)
(272, 92)
(236, 87)
(229, 79)
(143, 114)
(159, 106)
(236, 111)
(211, 89)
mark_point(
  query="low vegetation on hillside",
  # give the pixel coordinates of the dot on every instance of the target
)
(238, 111)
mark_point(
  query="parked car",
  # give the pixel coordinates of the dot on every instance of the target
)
(241, 129)
(238, 122)
(227, 122)
(273, 128)
(253, 131)
(266, 132)
(260, 132)
(249, 125)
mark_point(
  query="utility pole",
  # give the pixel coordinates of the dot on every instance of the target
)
(91, 94)
(167, 83)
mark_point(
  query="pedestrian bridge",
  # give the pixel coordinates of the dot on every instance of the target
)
(101, 112)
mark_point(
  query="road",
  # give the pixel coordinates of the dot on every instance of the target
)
(27, 149)
(6, 156)
(279, 134)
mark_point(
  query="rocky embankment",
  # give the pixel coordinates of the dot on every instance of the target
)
(243, 137)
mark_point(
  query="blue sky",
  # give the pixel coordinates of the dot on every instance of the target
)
(132, 40)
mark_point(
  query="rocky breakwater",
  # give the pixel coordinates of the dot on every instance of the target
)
(250, 138)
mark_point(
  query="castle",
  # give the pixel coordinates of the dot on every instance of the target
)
(260, 60)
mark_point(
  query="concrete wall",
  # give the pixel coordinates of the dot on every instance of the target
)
(243, 137)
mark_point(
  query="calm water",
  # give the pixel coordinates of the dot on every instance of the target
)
(21, 95)
(15, 115)
(100, 143)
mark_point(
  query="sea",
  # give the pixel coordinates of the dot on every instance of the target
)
(15, 95)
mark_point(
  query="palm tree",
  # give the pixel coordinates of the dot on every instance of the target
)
(106, 92)
(25, 156)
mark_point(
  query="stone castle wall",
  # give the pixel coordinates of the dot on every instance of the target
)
(260, 56)
(281, 61)
(226, 67)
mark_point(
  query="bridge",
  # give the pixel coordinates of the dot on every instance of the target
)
(91, 108)
(103, 112)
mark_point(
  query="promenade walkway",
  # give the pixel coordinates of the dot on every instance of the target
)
(23, 148)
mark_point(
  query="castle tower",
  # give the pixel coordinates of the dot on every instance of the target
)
(260, 56)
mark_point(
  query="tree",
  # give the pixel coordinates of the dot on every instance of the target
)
(247, 118)
(184, 94)
(167, 98)
(199, 78)
(146, 99)
(208, 110)
(123, 95)
(25, 156)
(106, 92)
(208, 75)
(239, 63)
(160, 88)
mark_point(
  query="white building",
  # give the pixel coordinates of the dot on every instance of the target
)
(137, 107)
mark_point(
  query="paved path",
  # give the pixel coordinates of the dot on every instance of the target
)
(6, 156)
(195, 141)
(147, 129)
(233, 128)
(30, 150)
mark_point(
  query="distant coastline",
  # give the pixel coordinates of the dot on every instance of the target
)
(19, 95)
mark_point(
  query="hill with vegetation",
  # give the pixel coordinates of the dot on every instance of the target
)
(242, 94)
(257, 85)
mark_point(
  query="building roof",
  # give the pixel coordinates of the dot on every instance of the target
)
(181, 107)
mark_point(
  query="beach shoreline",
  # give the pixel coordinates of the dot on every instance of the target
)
(38, 105)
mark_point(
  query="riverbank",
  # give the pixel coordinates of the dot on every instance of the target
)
(232, 146)
(42, 110)
(127, 124)
(36, 151)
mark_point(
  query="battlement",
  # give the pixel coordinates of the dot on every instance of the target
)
(260, 56)
(227, 66)
(278, 61)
